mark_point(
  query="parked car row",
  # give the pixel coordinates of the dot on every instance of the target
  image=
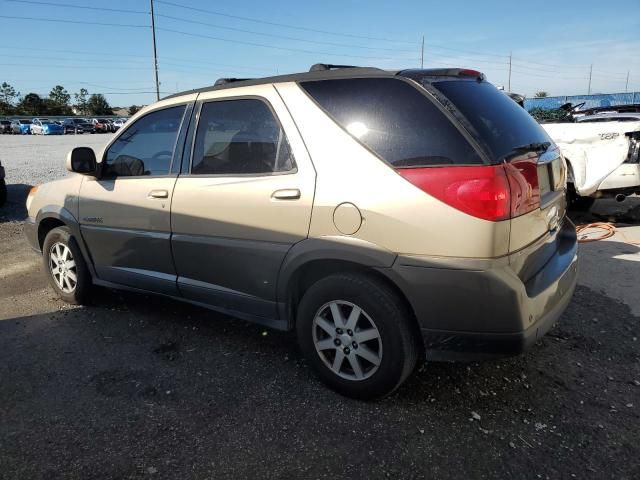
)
(45, 126)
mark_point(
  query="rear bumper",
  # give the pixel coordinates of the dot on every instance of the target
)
(471, 309)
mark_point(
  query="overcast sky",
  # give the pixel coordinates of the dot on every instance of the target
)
(552, 44)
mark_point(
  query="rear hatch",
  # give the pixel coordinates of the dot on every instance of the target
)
(509, 136)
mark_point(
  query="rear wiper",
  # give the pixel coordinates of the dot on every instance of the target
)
(538, 147)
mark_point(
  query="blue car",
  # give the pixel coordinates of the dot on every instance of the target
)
(21, 127)
(44, 126)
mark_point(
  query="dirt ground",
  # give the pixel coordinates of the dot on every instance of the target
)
(141, 387)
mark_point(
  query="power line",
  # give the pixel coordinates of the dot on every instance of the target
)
(81, 22)
(254, 44)
(548, 76)
(295, 27)
(78, 67)
(84, 7)
(91, 60)
(79, 52)
(107, 54)
(466, 59)
(469, 51)
(284, 37)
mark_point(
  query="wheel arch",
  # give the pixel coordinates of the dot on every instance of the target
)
(53, 216)
(314, 259)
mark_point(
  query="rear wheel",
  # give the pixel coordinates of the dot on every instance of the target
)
(576, 202)
(357, 335)
(65, 266)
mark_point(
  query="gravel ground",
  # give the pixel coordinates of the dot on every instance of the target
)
(142, 387)
(34, 159)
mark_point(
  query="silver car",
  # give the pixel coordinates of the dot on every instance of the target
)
(384, 215)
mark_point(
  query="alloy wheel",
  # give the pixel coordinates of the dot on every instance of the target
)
(347, 340)
(63, 267)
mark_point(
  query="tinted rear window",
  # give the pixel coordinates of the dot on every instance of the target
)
(394, 119)
(499, 121)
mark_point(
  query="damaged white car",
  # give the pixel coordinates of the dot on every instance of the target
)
(603, 159)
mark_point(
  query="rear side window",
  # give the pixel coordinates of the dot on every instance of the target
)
(146, 146)
(393, 119)
(499, 121)
(240, 137)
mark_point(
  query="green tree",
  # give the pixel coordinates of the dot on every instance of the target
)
(133, 109)
(32, 104)
(541, 94)
(81, 101)
(8, 96)
(98, 105)
(58, 101)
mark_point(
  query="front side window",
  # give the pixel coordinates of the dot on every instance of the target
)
(146, 147)
(393, 119)
(240, 137)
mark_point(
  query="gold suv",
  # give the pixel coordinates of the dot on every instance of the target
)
(384, 215)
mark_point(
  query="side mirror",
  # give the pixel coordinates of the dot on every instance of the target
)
(82, 160)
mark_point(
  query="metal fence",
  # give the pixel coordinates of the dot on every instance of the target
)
(591, 101)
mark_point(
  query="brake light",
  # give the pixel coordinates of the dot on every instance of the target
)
(470, 73)
(490, 192)
(523, 182)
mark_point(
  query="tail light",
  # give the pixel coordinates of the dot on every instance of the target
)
(490, 192)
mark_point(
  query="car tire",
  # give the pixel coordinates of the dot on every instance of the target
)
(383, 346)
(63, 260)
(577, 203)
(3, 192)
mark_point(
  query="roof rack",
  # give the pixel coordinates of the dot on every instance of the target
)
(224, 81)
(322, 67)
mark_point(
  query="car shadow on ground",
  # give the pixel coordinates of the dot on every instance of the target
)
(15, 209)
(136, 384)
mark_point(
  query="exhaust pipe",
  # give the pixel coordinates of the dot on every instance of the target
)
(620, 197)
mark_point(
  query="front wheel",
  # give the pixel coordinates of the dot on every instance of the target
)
(65, 266)
(357, 334)
(3, 192)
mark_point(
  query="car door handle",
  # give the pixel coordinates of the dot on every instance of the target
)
(158, 194)
(286, 194)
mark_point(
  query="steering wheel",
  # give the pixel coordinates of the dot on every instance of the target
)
(162, 154)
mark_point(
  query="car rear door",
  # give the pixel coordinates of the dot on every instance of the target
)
(244, 199)
(125, 214)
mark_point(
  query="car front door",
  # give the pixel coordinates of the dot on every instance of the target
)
(125, 214)
(244, 200)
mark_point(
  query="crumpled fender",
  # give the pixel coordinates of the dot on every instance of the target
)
(594, 150)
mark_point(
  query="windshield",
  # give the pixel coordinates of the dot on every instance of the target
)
(25, 122)
(501, 123)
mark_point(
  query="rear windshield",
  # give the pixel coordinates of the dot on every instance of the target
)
(393, 119)
(499, 121)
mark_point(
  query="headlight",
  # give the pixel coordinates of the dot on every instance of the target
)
(32, 192)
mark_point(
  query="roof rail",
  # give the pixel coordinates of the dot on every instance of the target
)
(322, 67)
(224, 81)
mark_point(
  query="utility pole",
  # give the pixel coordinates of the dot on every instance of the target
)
(509, 83)
(422, 54)
(155, 54)
(590, 72)
(626, 85)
